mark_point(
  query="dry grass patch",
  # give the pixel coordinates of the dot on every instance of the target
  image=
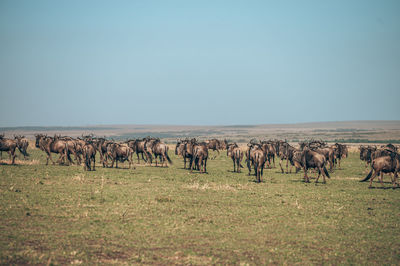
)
(210, 186)
(21, 162)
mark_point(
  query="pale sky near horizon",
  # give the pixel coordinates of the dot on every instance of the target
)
(65, 63)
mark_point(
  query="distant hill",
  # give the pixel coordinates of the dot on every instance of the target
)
(343, 131)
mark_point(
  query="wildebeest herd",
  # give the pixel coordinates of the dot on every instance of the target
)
(314, 154)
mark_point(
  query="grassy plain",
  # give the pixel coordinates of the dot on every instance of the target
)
(153, 215)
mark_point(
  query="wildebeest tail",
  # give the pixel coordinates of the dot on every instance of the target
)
(368, 176)
(326, 172)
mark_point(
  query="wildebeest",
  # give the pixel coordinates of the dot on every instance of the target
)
(199, 157)
(119, 152)
(8, 145)
(384, 164)
(101, 145)
(22, 145)
(236, 155)
(270, 152)
(185, 149)
(255, 156)
(74, 147)
(329, 155)
(140, 149)
(52, 145)
(286, 152)
(366, 154)
(89, 155)
(160, 150)
(215, 145)
(340, 152)
(312, 159)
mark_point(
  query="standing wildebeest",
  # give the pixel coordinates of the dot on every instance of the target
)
(199, 157)
(329, 155)
(8, 145)
(255, 156)
(286, 152)
(366, 154)
(140, 148)
(89, 155)
(270, 152)
(340, 151)
(22, 145)
(184, 148)
(312, 159)
(101, 145)
(160, 150)
(384, 164)
(52, 145)
(119, 152)
(236, 155)
(74, 147)
(215, 145)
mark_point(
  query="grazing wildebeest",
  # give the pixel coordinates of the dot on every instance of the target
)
(199, 157)
(119, 152)
(89, 155)
(160, 150)
(384, 164)
(22, 145)
(52, 145)
(236, 155)
(8, 145)
(313, 159)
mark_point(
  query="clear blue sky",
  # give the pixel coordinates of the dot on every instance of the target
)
(198, 62)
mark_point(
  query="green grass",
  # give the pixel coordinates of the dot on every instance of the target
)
(62, 215)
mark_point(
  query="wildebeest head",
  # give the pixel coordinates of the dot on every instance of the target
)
(38, 138)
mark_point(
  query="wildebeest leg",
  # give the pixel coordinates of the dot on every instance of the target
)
(306, 179)
(249, 166)
(273, 159)
(395, 180)
(138, 160)
(372, 178)
(205, 165)
(287, 165)
(380, 177)
(234, 165)
(192, 163)
(262, 171)
(319, 173)
(13, 156)
(47, 159)
(280, 164)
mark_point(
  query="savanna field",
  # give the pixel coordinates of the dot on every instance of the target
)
(152, 215)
